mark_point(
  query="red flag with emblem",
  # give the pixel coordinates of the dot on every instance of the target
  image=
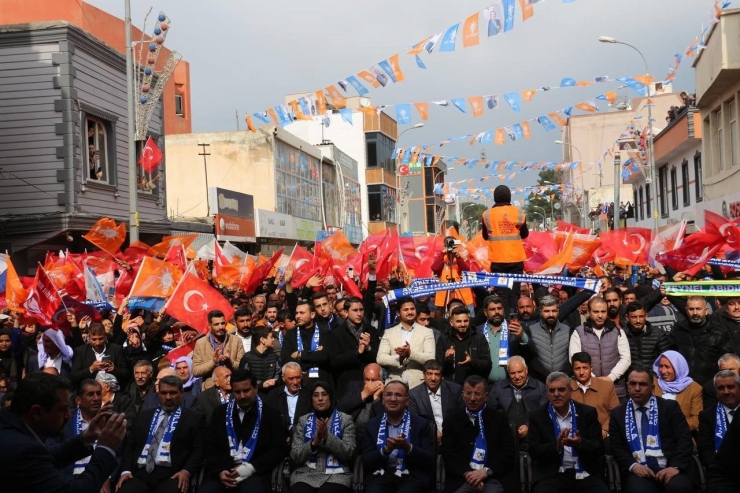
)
(192, 299)
(631, 246)
(715, 224)
(571, 228)
(261, 272)
(305, 266)
(693, 254)
(151, 156)
(540, 246)
(43, 299)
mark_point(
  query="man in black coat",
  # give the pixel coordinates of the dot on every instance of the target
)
(415, 448)
(437, 398)
(362, 400)
(291, 400)
(727, 387)
(669, 470)
(250, 473)
(480, 461)
(646, 342)
(352, 345)
(728, 361)
(173, 456)
(39, 409)
(463, 352)
(722, 475)
(310, 352)
(208, 400)
(97, 355)
(569, 461)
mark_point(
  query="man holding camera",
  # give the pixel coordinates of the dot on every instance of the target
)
(449, 265)
(504, 227)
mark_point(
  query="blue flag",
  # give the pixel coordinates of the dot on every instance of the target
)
(386, 66)
(487, 137)
(403, 114)
(346, 115)
(361, 90)
(459, 103)
(635, 85)
(261, 117)
(518, 131)
(420, 63)
(513, 99)
(448, 40)
(546, 123)
(283, 116)
(508, 14)
(567, 82)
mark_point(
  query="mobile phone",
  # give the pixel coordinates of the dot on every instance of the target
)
(514, 317)
(105, 359)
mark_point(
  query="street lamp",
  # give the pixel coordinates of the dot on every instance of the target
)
(133, 198)
(607, 39)
(434, 184)
(399, 205)
(544, 213)
(552, 205)
(543, 217)
(583, 187)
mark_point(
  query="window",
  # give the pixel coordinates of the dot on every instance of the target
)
(98, 154)
(733, 132)
(642, 205)
(648, 209)
(674, 188)
(372, 155)
(719, 143)
(380, 151)
(698, 178)
(429, 181)
(381, 202)
(179, 108)
(147, 182)
(685, 180)
(431, 219)
(297, 176)
(663, 187)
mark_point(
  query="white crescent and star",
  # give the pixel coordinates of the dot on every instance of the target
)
(186, 301)
(729, 238)
(642, 242)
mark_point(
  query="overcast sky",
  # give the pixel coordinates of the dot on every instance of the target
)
(246, 55)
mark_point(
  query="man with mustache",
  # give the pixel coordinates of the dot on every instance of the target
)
(551, 340)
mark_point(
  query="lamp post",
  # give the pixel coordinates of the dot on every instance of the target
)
(607, 39)
(543, 217)
(583, 186)
(616, 210)
(544, 213)
(399, 181)
(552, 204)
(133, 198)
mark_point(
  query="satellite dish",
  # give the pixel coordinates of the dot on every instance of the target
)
(557, 206)
(365, 102)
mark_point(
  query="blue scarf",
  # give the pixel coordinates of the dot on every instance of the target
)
(503, 345)
(573, 430)
(653, 448)
(312, 372)
(309, 431)
(401, 468)
(720, 427)
(480, 451)
(163, 452)
(242, 453)
(81, 464)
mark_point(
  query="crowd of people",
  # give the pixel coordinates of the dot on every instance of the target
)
(321, 378)
(674, 112)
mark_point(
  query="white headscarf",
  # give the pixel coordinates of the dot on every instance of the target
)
(57, 338)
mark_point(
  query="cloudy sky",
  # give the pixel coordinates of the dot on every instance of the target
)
(246, 55)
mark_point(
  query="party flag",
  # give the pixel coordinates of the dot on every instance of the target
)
(321, 102)
(459, 103)
(250, 125)
(476, 102)
(423, 109)
(567, 82)
(283, 117)
(191, 301)
(155, 281)
(419, 62)
(508, 7)
(557, 119)
(720, 226)
(500, 137)
(369, 78)
(470, 31)
(494, 15)
(395, 66)
(403, 114)
(337, 247)
(43, 298)
(346, 115)
(106, 235)
(588, 106)
(261, 116)
(527, 9)
(337, 99)
(161, 248)
(432, 42)
(518, 131)
(15, 292)
(418, 47)
(448, 40)
(491, 102)
(527, 95)
(513, 99)
(526, 132)
(546, 123)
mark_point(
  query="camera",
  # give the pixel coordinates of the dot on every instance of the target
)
(450, 243)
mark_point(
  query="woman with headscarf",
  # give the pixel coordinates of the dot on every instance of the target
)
(111, 394)
(322, 447)
(184, 368)
(10, 366)
(53, 352)
(674, 383)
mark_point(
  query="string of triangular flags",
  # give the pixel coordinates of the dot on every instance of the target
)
(499, 18)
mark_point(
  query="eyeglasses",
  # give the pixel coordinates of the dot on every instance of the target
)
(474, 394)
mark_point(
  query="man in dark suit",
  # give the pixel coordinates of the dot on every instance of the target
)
(651, 462)
(39, 409)
(727, 390)
(97, 355)
(220, 393)
(477, 445)
(235, 461)
(397, 446)
(352, 345)
(152, 400)
(518, 395)
(166, 446)
(728, 361)
(305, 345)
(292, 400)
(437, 398)
(722, 475)
(362, 400)
(570, 460)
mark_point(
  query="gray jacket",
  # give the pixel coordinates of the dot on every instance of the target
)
(551, 350)
(343, 450)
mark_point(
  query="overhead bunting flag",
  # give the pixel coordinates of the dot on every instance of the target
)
(403, 114)
(470, 31)
(423, 109)
(448, 40)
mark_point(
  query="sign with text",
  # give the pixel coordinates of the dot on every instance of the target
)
(236, 229)
(235, 204)
(275, 225)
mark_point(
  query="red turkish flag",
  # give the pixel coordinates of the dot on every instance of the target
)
(630, 245)
(720, 226)
(261, 272)
(539, 247)
(151, 156)
(184, 350)
(305, 266)
(176, 256)
(571, 228)
(340, 277)
(693, 254)
(43, 299)
(193, 299)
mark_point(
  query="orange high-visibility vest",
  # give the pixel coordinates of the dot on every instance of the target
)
(452, 275)
(504, 242)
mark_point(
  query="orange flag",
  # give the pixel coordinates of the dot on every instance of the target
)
(418, 47)
(611, 96)
(527, 95)
(15, 293)
(235, 276)
(526, 131)
(527, 9)
(320, 102)
(106, 235)
(500, 138)
(369, 78)
(557, 118)
(470, 31)
(273, 116)
(338, 248)
(163, 247)
(586, 106)
(337, 99)
(156, 279)
(250, 125)
(476, 102)
(557, 263)
(423, 109)
(396, 67)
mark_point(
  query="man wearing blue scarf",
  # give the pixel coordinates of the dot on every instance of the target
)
(477, 445)
(650, 440)
(565, 442)
(714, 421)
(397, 448)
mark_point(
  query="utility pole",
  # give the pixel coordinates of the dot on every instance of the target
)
(133, 190)
(237, 120)
(205, 169)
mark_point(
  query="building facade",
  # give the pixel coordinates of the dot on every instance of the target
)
(422, 210)
(64, 142)
(717, 98)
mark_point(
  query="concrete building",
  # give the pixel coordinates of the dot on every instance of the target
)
(110, 30)
(422, 211)
(64, 141)
(678, 163)
(717, 91)
(592, 135)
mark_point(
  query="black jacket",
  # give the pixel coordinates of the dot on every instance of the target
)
(675, 437)
(534, 395)
(476, 346)
(351, 403)
(543, 442)
(646, 346)
(264, 366)
(346, 364)
(707, 422)
(724, 469)
(458, 444)
(309, 359)
(207, 402)
(277, 399)
(420, 403)
(702, 346)
(84, 356)
(720, 319)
